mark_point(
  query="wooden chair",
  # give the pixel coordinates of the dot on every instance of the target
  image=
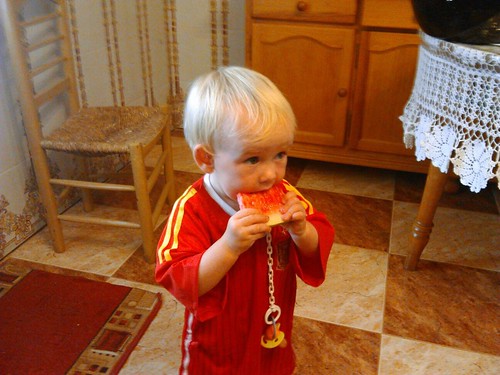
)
(87, 132)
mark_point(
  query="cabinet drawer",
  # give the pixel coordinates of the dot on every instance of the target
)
(339, 11)
(389, 13)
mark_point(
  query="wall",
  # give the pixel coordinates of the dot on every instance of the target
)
(20, 209)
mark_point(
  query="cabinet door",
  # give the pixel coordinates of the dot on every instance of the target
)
(385, 75)
(311, 65)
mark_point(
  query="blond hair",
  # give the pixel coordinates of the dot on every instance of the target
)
(234, 102)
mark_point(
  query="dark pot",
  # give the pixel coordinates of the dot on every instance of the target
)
(462, 21)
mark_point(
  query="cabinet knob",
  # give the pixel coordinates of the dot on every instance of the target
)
(342, 93)
(301, 6)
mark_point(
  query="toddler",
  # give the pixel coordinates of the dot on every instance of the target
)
(235, 274)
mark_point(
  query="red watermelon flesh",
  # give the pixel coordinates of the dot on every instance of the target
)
(268, 202)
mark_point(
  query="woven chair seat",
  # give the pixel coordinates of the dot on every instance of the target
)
(99, 131)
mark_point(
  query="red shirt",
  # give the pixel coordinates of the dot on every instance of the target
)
(223, 328)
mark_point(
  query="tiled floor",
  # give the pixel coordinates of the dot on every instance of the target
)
(370, 316)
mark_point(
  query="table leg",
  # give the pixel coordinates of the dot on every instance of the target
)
(422, 226)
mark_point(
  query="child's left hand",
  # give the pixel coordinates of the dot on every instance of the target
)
(293, 214)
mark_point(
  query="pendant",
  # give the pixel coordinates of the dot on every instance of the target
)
(273, 337)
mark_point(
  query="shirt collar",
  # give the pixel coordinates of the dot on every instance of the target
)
(216, 197)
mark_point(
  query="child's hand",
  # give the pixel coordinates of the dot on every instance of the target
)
(244, 228)
(302, 232)
(294, 214)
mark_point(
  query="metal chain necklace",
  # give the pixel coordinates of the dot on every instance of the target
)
(272, 336)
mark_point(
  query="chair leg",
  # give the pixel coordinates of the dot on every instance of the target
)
(48, 198)
(168, 168)
(87, 201)
(143, 202)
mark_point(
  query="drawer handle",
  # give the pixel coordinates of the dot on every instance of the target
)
(342, 93)
(301, 6)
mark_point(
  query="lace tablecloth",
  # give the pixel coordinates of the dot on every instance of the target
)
(453, 112)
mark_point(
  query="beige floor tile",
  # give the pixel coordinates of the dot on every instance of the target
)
(402, 356)
(183, 157)
(91, 248)
(460, 237)
(158, 351)
(353, 292)
(348, 179)
(181, 154)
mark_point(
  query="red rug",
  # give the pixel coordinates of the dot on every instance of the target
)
(55, 324)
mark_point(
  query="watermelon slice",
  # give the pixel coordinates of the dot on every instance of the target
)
(268, 202)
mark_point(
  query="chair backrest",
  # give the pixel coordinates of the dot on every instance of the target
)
(40, 45)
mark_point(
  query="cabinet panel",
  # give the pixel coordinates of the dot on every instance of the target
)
(311, 65)
(386, 71)
(341, 11)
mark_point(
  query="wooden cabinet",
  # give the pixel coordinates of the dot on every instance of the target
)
(347, 67)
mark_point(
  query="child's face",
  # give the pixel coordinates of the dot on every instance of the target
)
(244, 166)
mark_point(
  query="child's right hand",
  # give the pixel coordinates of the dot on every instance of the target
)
(244, 228)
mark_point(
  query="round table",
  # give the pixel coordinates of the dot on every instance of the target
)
(453, 119)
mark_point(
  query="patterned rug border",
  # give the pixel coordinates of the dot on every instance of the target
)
(111, 347)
